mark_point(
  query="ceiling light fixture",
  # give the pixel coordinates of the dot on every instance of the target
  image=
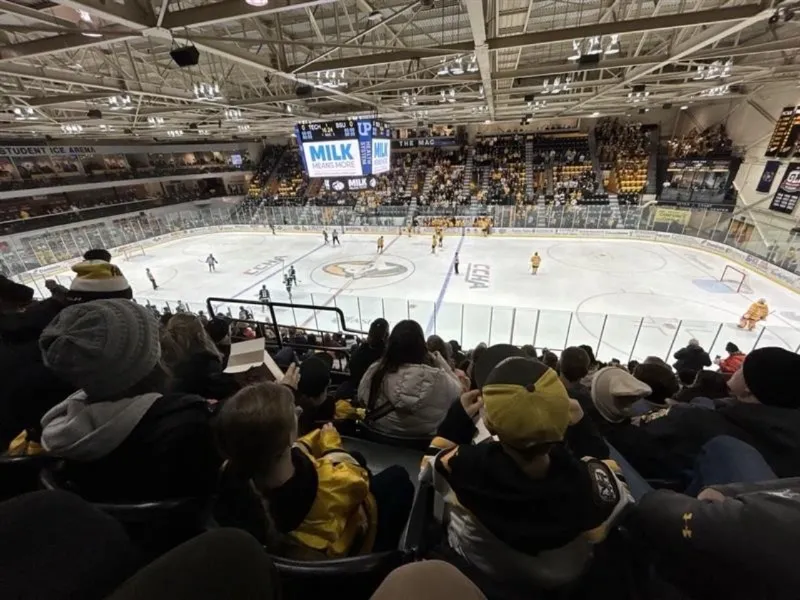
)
(472, 67)
(576, 50)
(232, 114)
(594, 45)
(481, 92)
(331, 79)
(120, 102)
(636, 97)
(203, 132)
(443, 70)
(175, 133)
(243, 128)
(106, 128)
(719, 90)
(25, 113)
(207, 91)
(72, 129)
(685, 107)
(457, 68)
(257, 3)
(613, 45)
(155, 121)
(595, 114)
(374, 16)
(557, 86)
(715, 70)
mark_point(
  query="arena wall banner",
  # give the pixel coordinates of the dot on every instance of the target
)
(768, 176)
(785, 199)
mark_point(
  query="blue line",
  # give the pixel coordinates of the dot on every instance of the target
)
(442, 292)
(271, 275)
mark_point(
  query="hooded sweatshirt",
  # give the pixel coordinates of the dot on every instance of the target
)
(518, 529)
(143, 448)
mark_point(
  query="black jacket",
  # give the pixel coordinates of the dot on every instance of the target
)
(361, 360)
(169, 454)
(691, 358)
(741, 548)
(28, 389)
(772, 430)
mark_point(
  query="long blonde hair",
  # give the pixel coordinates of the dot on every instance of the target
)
(254, 429)
(189, 336)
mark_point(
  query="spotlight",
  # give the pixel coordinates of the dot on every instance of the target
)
(576, 50)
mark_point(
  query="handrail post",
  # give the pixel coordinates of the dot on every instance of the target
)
(513, 324)
(674, 337)
(569, 328)
(758, 339)
(602, 331)
(536, 327)
(491, 318)
(360, 322)
(716, 337)
(275, 328)
(383, 309)
(461, 335)
(636, 339)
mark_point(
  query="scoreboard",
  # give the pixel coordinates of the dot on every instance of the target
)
(344, 148)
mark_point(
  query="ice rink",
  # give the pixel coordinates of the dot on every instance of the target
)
(654, 294)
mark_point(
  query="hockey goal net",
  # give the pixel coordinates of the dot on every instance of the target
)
(736, 279)
(132, 251)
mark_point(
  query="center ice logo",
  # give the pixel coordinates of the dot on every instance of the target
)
(356, 269)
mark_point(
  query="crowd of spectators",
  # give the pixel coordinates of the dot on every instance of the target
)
(713, 142)
(558, 474)
(500, 163)
(617, 140)
(446, 171)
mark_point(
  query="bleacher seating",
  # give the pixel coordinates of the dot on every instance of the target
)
(500, 170)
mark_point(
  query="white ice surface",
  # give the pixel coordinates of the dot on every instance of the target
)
(652, 293)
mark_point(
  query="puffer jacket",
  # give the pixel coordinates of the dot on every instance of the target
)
(732, 364)
(421, 395)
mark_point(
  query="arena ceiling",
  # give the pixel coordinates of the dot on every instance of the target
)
(437, 61)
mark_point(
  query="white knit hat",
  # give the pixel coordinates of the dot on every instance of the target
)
(614, 392)
(104, 347)
(98, 279)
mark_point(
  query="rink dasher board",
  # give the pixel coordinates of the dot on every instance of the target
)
(761, 267)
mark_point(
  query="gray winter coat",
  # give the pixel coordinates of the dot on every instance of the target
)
(421, 395)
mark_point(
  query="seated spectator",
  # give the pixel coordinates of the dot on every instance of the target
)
(219, 330)
(437, 344)
(123, 439)
(410, 388)
(614, 394)
(312, 393)
(368, 352)
(573, 367)
(523, 510)
(766, 416)
(691, 358)
(194, 360)
(734, 360)
(732, 541)
(303, 498)
(663, 386)
(707, 384)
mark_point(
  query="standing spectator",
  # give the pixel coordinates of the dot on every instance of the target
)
(410, 388)
(123, 439)
(733, 362)
(691, 358)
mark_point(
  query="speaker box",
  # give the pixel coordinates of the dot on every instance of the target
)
(94, 114)
(188, 56)
(303, 91)
(589, 59)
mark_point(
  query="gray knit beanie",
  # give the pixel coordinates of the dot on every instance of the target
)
(103, 347)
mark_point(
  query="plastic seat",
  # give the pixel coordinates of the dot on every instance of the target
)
(154, 526)
(20, 474)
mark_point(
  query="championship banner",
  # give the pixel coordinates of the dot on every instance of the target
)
(786, 197)
(768, 176)
(781, 132)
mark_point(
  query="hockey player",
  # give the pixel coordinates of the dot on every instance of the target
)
(288, 283)
(455, 263)
(536, 260)
(180, 308)
(758, 311)
(293, 275)
(440, 233)
(244, 314)
(433, 243)
(335, 237)
(325, 235)
(380, 245)
(272, 228)
(151, 278)
(263, 296)
(212, 263)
